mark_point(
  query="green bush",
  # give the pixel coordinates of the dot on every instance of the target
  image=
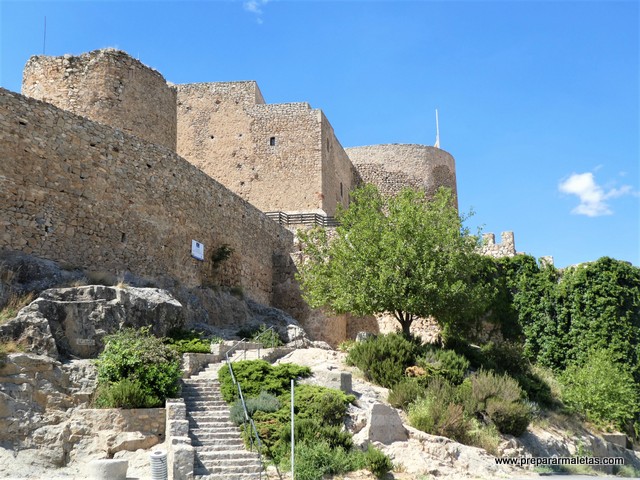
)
(377, 462)
(314, 460)
(602, 390)
(190, 341)
(511, 418)
(500, 398)
(265, 402)
(446, 364)
(405, 392)
(138, 356)
(504, 357)
(383, 359)
(125, 394)
(258, 375)
(327, 404)
(439, 412)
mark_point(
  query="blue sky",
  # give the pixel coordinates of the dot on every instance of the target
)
(538, 100)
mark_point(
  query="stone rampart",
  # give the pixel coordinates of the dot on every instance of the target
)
(76, 191)
(107, 86)
(392, 167)
(506, 248)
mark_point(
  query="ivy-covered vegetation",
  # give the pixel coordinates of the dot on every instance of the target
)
(136, 370)
(322, 445)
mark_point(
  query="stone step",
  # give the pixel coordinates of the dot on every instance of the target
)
(216, 444)
(206, 469)
(231, 428)
(210, 404)
(233, 456)
(234, 476)
(199, 417)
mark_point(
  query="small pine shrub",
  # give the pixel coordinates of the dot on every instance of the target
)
(377, 462)
(325, 404)
(405, 392)
(265, 402)
(383, 359)
(446, 364)
(258, 375)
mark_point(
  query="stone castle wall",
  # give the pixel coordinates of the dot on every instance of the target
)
(86, 194)
(506, 248)
(107, 86)
(392, 167)
(279, 157)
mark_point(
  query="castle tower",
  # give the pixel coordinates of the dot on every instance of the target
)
(392, 167)
(107, 86)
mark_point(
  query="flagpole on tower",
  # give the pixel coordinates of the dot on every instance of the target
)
(437, 144)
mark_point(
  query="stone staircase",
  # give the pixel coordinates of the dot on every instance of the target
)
(219, 449)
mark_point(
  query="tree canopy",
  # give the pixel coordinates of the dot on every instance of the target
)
(404, 255)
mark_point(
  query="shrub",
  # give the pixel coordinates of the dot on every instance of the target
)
(504, 357)
(500, 398)
(258, 375)
(265, 402)
(509, 417)
(446, 364)
(439, 412)
(314, 460)
(327, 405)
(125, 393)
(601, 390)
(138, 356)
(377, 462)
(405, 392)
(383, 359)
(190, 341)
(269, 338)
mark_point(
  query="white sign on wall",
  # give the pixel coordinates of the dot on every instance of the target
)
(197, 250)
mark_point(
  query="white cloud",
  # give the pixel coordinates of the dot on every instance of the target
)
(593, 197)
(255, 7)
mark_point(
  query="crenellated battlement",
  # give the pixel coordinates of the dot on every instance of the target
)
(506, 248)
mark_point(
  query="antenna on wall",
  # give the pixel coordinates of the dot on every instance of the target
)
(437, 144)
(44, 38)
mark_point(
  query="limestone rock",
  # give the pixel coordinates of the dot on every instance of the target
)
(133, 441)
(73, 321)
(383, 425)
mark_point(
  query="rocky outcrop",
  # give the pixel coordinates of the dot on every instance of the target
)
(72, 322)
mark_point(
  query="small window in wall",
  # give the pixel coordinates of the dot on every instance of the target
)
(272, 141)
(340, 189)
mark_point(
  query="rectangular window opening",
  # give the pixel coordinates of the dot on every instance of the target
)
(272, 141)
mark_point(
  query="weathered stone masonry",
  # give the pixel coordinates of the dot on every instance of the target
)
(87, 194)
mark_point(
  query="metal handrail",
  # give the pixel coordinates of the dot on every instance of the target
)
(247, 417)
(284, 218)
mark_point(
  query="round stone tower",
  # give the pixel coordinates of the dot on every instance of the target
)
(107, 86)
(392, 167)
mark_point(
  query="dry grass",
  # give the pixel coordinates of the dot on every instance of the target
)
(13, 306)
(10, 346)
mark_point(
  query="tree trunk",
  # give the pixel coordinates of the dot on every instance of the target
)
(405, 319)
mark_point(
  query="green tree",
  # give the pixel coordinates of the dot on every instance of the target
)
(403, 255)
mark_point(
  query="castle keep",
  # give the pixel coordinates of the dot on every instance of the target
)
(105, 165)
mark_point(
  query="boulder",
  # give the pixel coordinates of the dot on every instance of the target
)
(383, 425)
(71, 322)
(132, 441)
